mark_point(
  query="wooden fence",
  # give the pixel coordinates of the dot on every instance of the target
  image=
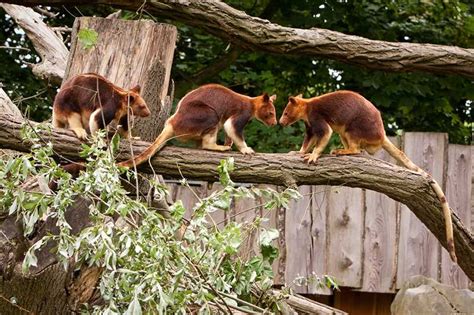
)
(364, 239)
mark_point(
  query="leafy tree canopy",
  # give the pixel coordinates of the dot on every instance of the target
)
(408, 101)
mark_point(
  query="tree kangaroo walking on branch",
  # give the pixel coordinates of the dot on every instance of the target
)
(204, 111)
(360, 127)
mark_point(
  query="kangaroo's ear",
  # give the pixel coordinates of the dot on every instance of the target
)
(136, 89)
(292, 100)
(299, 96)
(266, 98)
(273, 98)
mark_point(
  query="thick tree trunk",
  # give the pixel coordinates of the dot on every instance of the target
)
(398, 183)
(47, 43)
(249, 32)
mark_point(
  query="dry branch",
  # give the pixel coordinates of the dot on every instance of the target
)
(398, 183)
(249, 32)
(47, 43)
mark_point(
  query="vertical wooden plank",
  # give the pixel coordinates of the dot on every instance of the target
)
(319, 214)
(298, 239)
(345, 229)
(458, 193)
(380, 243)
(418, 248)
(245, 211)
(277, 220)
(472, 188)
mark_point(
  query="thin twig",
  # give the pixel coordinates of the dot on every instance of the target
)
(15, 305)
(13, 48)
(243, 302)
(199, 271)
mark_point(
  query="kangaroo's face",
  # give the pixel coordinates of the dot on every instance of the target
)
(137, 103)
(294, 111)
(265, 110)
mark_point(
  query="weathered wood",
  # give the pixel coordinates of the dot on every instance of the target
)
(7, 106)
(282, 169)
(278, 221)
(458, 192)
(319, 234)
(345, 228)
(254, 33)
(144, 57)
(47, 43)
(380, 238)
(298, 240)
(418, 249)
(472, 189)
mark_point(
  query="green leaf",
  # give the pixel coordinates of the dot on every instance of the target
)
(269, 253)
(115, 143)
(134, 308)
(178, 210)
(267, 236)
(87, 37)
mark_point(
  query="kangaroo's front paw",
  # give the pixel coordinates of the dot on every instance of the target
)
(80, 133)
(247, 151)
(311, 158)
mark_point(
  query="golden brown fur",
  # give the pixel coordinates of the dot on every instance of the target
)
(360, 127)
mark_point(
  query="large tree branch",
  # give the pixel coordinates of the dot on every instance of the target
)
(47, 43)
(398, 183)
(249, 32)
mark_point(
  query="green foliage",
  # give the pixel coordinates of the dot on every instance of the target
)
(146, 267)
(87, 37)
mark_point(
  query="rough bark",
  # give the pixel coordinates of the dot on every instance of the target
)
(398, 183)
(7, 106)
(249, 32)
(47, 43)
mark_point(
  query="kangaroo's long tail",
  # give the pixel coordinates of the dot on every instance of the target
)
(405, 161)
(159, 142)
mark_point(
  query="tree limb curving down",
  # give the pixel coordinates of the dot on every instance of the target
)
(398, 183)
(249, 32)
(47, 43)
